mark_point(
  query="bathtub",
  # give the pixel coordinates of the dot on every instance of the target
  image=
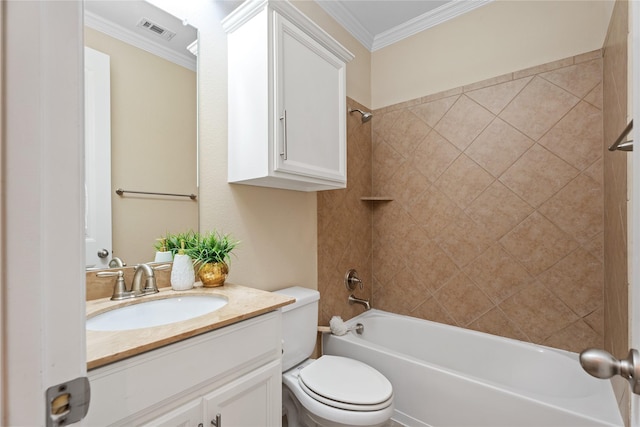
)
(448, 376)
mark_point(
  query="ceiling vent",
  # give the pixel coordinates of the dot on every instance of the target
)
(156, 29)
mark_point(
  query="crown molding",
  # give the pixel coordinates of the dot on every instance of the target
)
(420, 23)
(251, 8)
(345, 18)
(425, 21)
(116, 31)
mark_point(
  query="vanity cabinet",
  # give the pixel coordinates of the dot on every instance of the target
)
(286, 99)
(248, 401)
(234, 371)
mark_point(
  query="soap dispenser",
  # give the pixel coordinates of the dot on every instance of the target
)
(182, 274)
(163, 255)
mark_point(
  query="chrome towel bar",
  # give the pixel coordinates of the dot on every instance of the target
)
(120, 192)
(620, 144)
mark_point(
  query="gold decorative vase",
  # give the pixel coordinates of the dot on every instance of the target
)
(213, 274)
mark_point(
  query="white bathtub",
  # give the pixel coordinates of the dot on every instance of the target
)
(448, 376)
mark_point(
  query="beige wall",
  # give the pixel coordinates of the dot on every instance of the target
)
(616, 96)
(277, 227)
(499, 38)
(153, 146)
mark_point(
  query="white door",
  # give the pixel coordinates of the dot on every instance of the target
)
(43, 294)
(97, 110)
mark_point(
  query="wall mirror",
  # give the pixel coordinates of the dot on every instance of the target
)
(141, 101)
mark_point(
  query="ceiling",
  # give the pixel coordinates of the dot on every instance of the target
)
(380, 23)
(374, 23)
(120, 20)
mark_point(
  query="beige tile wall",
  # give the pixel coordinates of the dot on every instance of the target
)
(344, 226)
(615, 190)
(496, 223)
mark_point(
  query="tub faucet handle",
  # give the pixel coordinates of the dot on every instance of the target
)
(351, 280)
(601, 364)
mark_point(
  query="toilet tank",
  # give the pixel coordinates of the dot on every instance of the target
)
(299, 325)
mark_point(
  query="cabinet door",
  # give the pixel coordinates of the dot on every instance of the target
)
(310, 106)
(252, 400)
(187, 415)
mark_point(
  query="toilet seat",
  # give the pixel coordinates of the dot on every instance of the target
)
(346, 384)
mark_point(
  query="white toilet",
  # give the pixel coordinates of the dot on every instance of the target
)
(331, 391)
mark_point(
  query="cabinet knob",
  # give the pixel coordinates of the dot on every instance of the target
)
(218, 421)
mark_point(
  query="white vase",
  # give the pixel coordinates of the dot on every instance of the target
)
(182, 274)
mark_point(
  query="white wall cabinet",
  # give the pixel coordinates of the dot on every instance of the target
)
(235, 371)
(287, 99)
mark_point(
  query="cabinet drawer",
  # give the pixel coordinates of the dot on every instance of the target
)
(145, 383)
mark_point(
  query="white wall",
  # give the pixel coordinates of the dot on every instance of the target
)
(499, 38)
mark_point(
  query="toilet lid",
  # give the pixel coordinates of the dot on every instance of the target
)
(346, 383)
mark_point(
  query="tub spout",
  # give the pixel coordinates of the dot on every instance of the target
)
(364, 302)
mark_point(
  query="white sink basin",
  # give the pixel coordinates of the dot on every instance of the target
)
(146, 314)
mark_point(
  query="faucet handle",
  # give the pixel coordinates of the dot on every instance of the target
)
(153, 267)
(120, 288)
(161, 267)
(351, 280)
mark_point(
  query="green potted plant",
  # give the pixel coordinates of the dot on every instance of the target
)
(211, 253)
(172, 242)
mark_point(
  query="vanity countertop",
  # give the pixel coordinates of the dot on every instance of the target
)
(111, 346)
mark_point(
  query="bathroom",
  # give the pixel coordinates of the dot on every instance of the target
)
(278, 222)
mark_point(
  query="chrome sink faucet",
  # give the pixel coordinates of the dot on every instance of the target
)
(116, 262)
(120, 291)
(150, 286)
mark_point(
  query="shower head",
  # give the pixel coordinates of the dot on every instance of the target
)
(365, 116)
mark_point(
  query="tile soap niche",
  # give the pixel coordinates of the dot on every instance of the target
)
(376, 199)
